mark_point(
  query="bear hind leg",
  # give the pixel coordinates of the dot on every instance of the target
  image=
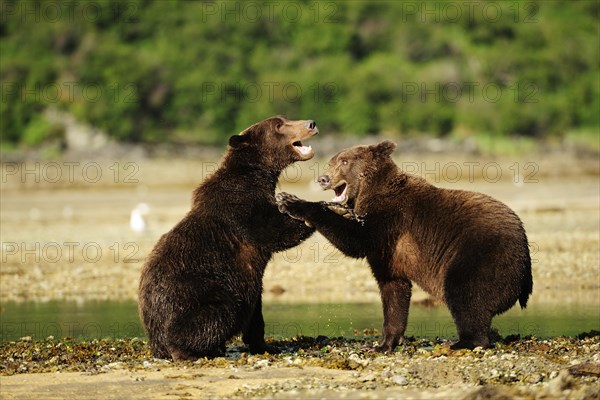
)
(473, 330)
(254, 333)
(159, 350)
(200, 335)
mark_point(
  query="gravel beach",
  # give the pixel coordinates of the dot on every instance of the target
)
(529, 368)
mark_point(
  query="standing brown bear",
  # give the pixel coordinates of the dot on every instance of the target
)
(202, 283)
(464, 248)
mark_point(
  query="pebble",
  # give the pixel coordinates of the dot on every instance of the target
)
(360, 361)
(535, 378)
(399, 380)
(557, 385)
(261, 364)
(367, 378)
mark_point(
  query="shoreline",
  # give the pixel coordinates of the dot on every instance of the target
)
(528, 368)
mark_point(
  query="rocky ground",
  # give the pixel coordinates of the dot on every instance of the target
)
(528, 368)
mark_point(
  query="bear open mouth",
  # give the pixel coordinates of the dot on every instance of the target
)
(340, 193)
(301, 149)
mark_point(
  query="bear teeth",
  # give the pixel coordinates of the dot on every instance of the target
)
(304, 150)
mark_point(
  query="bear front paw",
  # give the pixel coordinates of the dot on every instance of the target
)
(285, 198)
(289, 204)
(344, 211)
(340, 209)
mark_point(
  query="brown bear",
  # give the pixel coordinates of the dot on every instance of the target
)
(464, 248)
(202, 283)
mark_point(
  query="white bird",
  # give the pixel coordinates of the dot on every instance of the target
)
(137, 223)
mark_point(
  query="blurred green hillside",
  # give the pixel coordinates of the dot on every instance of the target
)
(196, 72)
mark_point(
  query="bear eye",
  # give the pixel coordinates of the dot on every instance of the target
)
(344, 162)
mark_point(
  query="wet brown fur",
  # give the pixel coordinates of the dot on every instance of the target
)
(464, 248)
(202, 283)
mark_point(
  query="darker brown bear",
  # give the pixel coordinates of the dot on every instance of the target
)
(202, 283)
(464, 248)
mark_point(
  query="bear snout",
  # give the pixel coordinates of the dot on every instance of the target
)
(324, 181)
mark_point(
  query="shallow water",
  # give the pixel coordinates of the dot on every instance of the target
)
(101, 319)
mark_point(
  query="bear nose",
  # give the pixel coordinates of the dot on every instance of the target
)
(310, 124)
(324, 180)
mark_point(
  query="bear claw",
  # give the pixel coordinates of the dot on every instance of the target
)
(344, 211)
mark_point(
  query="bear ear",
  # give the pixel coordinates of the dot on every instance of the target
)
(383, 149)
(277, 122)
(239, 141)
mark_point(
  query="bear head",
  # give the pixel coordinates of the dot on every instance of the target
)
(276, 141)
(348, 171)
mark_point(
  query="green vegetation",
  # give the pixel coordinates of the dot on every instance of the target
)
(153, 71)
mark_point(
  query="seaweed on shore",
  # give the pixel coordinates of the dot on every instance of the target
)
(101, 355)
